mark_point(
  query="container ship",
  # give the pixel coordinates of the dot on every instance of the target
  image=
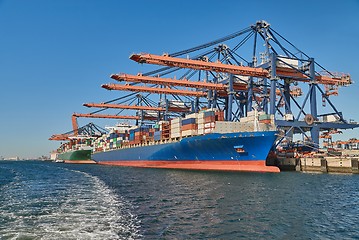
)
(198, 141)
(78, 144)
(77, 150)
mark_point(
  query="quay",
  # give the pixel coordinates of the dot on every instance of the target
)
(323, 164)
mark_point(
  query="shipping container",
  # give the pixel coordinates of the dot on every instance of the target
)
(189, 121)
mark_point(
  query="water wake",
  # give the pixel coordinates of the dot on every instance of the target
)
(65, 204)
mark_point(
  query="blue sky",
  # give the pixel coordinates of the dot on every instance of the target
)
(54, 55)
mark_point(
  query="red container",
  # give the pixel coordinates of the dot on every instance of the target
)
(209, 119)
(219, 116)
(267, 121)
(189, 127)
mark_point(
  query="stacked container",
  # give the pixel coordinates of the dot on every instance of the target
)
(206, 122)
(231, 127)
(175, 127)
(141, 134)
(192, 125)
(101, 143)
(113, 140)
(265, 118)
(219, 115)
(132, 136)
(165, 129)
(189, 125)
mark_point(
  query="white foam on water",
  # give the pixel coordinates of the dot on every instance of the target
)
(79, 207)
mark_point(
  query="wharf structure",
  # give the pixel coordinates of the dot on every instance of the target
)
(324, 164)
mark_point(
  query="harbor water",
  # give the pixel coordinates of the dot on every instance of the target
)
(46, 200)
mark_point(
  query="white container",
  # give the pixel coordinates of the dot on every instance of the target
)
(192, 115)
(190, 132)
(330, 118)
(284, 62)
(175, 135)
(208, 130)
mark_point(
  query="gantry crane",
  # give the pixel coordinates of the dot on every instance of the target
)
(222, 75)
(85, 115)
(89, 130)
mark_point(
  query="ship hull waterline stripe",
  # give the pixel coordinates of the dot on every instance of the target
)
(245, 166)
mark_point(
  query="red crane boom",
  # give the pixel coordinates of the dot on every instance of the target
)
(87, 115)
(235, 69)
(174, 82)
(153, 90)
(199, 65)
(146, 108)
(118, 106)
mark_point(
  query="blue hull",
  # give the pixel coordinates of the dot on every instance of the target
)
(243, 146)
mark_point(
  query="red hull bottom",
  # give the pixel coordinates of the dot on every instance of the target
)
(242, 166)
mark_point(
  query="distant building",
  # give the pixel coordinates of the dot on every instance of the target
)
(12, 158)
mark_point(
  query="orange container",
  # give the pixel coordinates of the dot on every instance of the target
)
(189, 127)
(267, 121)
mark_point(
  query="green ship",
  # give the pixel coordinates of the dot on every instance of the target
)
(76, 156)
(77, 150)
(78, 145)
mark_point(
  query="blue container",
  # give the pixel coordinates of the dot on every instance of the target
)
(189, 121)
(207, 114)
(132, 136)
(145, 128)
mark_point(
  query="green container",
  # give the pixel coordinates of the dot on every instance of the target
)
(264, 117)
